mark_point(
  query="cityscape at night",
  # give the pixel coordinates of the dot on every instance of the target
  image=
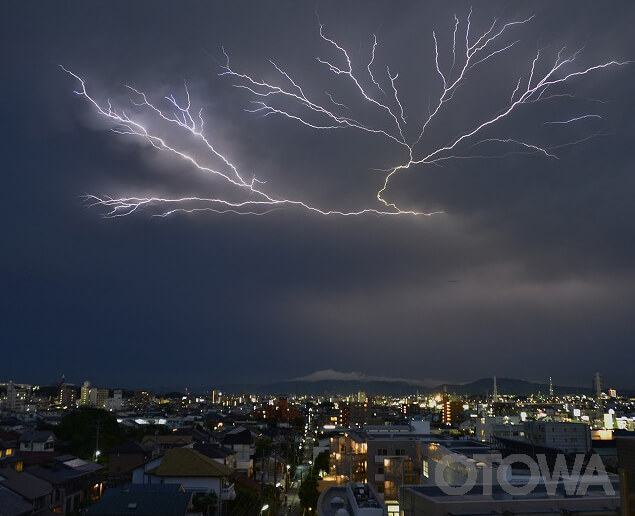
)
(291, 258)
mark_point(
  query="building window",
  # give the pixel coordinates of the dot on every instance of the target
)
(380, 470)
(382, 451)
(400, 451)
(426, 468)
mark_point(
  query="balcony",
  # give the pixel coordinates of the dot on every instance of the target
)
(228, 493)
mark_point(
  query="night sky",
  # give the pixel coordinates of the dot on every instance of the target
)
(528, 273)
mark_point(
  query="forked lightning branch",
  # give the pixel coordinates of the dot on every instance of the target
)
(549, 76)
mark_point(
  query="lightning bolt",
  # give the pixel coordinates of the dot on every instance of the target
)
(287, 98)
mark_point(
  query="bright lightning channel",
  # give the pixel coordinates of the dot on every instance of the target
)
(532, 88)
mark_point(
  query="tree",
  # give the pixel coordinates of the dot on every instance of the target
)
(84, 431)
(263, 447)
(249, 502)
(308, 492)
(322, 462)
(205, 503)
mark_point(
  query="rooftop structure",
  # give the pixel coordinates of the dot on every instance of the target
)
(354, 499)
(433, 501)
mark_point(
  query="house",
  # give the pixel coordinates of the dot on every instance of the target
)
(37, 441)
(189, 468)
(6, 450)
(75, 481)
(143, 500)
(241, 440)
(123, 459)
(159, 444)
(35, 491)
(225, 456)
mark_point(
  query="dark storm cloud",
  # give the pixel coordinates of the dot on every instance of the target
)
(528, 272)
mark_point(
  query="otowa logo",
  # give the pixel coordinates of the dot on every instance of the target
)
(487, 472)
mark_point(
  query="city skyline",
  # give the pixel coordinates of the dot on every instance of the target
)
(526, 271)
(341, 383)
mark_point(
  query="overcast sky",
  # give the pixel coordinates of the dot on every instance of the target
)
(528, 273)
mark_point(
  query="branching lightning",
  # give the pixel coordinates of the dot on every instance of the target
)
(287, 98)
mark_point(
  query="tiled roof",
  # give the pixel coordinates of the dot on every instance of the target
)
(239, 435)
(12, 505)
(244, 480)
(38, 436)
(166, 439)
(129, 447)
(26, 485)
(214, 451)
(120, 502)
(186, 462)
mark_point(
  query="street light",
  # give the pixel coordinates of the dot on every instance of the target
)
(264, 508)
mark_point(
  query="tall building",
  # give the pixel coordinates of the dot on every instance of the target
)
(84, 393)
(567, 437)
(550, 388)
(495, 395)
(451, 412)
(355, 413)
(116, 402)
(93, 396)
(16, 397)
(597, 385)
(66, 394)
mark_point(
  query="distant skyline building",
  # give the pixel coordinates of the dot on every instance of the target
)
(567, 437)
(84, 393)
(495, 394)
(16, 397)
(116, 402)
(93, 396)
(451, 411)
(550, 388)
(597, 384)
(66, 394)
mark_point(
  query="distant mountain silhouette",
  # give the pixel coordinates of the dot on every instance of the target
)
(399, 388)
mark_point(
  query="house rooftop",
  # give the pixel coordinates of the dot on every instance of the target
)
(37, 436)
(240, 435)
(122, 502)
(214, 451)
(26, 485)
(186, 462)
(172, 439)
(129, 447)
(13, 505)
(499, 494)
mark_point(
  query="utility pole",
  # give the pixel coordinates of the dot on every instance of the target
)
(97, 451)
(262, 478)
(275, 480)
